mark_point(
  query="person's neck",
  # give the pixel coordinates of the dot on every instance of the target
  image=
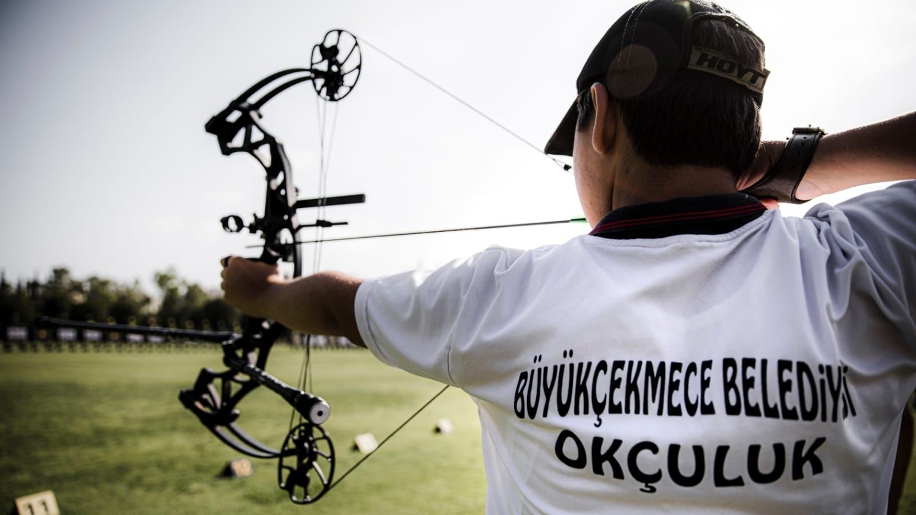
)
(639, 183)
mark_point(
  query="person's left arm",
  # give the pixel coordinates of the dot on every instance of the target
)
(317, 304)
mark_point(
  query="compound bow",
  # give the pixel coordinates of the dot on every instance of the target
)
(306, 458)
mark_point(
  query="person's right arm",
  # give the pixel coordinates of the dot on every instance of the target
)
(884, 151)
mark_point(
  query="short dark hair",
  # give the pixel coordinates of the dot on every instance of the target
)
(696, 118)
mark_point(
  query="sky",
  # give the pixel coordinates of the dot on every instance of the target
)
(108, 170)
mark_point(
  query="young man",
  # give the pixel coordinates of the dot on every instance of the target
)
(696, 352)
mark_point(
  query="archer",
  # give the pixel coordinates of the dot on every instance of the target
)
(805, 326)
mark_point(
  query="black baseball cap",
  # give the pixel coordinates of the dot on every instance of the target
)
(643, 49)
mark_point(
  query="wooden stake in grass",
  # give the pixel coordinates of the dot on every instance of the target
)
(444, 426)
(240, 467)
(365, 443)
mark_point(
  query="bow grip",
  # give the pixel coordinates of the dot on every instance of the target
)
(253, 325)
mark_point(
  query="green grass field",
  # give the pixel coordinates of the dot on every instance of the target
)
(106, 432)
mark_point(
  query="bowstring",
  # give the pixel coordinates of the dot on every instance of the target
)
(565, 167)
(385, 440)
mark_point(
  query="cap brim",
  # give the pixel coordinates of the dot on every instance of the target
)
(561, 143)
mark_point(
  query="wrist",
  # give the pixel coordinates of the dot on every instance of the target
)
(783, 180)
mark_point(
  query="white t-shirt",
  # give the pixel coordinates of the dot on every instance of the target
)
(759, 371)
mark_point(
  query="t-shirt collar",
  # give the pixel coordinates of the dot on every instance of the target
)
(711, 214)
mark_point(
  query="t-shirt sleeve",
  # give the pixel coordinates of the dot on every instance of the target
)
(410, 320)
(881, 227)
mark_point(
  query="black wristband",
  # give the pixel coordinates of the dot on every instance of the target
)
(782, 181)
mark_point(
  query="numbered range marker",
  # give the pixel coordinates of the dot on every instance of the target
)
(42, 503)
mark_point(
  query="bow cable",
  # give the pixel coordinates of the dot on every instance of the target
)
(326, 143)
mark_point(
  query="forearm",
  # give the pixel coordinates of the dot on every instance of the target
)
(884, 151)
(317, 304)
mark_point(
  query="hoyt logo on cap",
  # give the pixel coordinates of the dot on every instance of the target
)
(721, 65)
(657, 36)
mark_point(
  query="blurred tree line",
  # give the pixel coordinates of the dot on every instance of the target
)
(179, 303)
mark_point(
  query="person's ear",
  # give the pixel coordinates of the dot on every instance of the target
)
(605, 120)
